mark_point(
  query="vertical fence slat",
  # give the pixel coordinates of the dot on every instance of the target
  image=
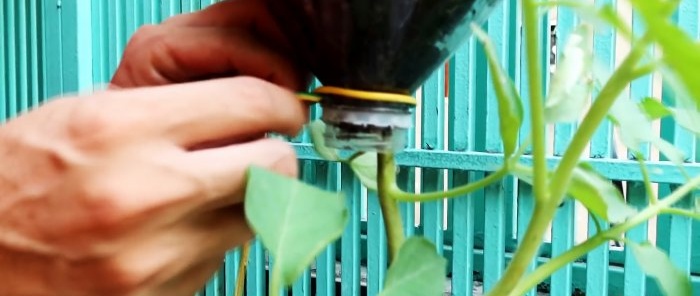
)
(376, 245)
(255, 278)
(52, 50)
(564, 221)
(687, 19)
(327, 177)
(99, 24)
(432, 105)
(635, 280)
(169, 8)
(11, 51)
(351, 240)
(601, 147)
(407, 180)
(461, 115)
(231, 263)
(681, 227)
(35, 49)
(4, 62)
(308, 174)
(23, 78)
(494, 195)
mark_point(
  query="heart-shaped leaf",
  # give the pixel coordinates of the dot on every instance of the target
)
(317, 128)
(657, 265)
(596, 193)
(418, 270)
(571, 84)
(295, 221)
(365, 168)
(510, 109)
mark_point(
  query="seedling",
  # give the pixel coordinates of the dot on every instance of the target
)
(296, 221)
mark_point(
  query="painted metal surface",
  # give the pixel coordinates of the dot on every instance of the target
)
(52, 48)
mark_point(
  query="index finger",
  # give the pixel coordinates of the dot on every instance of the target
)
(213, 111)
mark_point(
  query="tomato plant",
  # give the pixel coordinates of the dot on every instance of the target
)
(295, 221)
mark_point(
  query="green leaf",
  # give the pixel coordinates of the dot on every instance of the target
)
(635, 127)
(656, 264)
(596, 193)
(295, 221)
(571, 84)
(510, 109)
(654, 108)
(365, 168)
(673, 154)
(418, 270)
(681, 52)
(687, 118)
(317, 128)
(599, 195)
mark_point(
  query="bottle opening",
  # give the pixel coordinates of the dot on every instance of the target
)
(366, 126)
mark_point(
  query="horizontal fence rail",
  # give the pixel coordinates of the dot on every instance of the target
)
(51, 48)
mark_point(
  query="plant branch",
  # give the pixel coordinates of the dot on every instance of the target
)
(604, 101)
(401, 195)
(544, 212)
(398, 194)
(545, 270)
(681, 212)
(645, 175)
(386, 180)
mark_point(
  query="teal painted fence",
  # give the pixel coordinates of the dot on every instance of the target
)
(54, 47)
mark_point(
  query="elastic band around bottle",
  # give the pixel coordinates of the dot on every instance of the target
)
(358, 95)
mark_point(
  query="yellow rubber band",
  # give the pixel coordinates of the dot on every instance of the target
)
(366, 95)
(308, 97)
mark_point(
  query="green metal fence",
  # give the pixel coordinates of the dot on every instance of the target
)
(54, 47)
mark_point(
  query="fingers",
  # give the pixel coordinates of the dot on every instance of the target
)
(199, 113)
(156, 259)
(161, 55)
(224, 169)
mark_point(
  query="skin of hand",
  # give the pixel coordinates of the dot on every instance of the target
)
(138, 190)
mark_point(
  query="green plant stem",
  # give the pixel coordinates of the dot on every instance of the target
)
(544, 212)
(539, 181)
(598, 111)
(512, 161)
(398, 194)
(645, 175)
(386, 180)
(681, 212)
(547, 269)
(242, 267)
(275, 285)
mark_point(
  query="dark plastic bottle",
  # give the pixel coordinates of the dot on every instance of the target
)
(377, 45)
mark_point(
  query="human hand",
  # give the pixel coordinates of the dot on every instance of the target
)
(226, 39)
(120, 193)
